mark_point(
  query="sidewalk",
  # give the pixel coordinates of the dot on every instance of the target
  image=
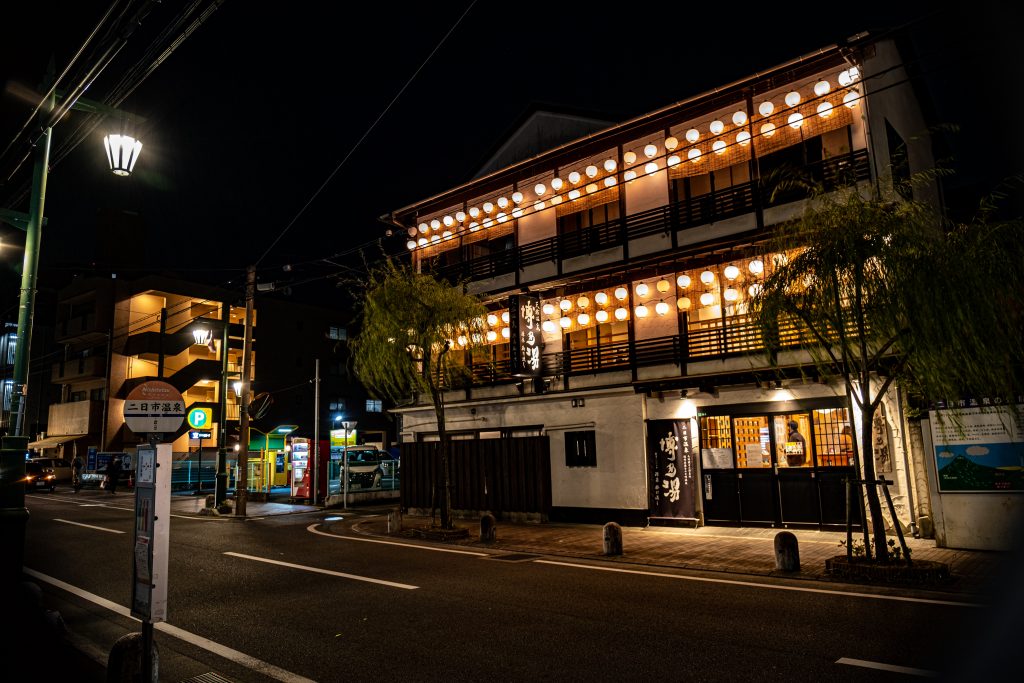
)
(747, 551)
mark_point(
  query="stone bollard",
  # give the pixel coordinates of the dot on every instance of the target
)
(124, 665)
(787, 552)
(612, 539)
(488, 528)
(211, 501)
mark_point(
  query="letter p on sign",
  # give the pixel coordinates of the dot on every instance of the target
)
(199, 418)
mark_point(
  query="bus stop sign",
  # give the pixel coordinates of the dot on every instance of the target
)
(154, 407)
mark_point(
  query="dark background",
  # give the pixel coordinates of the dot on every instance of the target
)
(252, 113)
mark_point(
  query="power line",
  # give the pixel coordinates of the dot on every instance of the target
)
(364, 135)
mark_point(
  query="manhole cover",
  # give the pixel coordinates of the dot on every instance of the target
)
(512, 557)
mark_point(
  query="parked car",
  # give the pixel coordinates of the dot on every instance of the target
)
(46, 473)
(366, 467)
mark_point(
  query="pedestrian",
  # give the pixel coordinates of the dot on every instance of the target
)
(76, 473)
(113, 473)
(796, 446)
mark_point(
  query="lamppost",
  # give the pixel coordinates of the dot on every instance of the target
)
(346, 425)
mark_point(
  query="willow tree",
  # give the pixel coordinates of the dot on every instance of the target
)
(410, 322)
(888, 290)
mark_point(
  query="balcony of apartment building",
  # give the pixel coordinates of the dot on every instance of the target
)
(79, 369)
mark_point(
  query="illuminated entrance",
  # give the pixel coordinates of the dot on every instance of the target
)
(777, 464)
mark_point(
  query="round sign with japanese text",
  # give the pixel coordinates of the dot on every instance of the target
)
(154, 407)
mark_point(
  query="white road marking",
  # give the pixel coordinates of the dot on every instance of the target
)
(754, 584)
(88, 526)
(235, 656)
(888, 667)
(312, 528)
(329, 572)
(70, 501)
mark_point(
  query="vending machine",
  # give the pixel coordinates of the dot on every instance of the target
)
(300, 484)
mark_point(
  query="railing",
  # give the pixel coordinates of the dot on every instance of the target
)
(719, 205)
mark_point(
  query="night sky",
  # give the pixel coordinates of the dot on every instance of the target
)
(252, 113)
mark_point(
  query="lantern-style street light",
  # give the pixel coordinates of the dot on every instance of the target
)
(122, 153)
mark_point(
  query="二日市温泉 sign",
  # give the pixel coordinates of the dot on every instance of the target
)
(526, 340)
(979, 449)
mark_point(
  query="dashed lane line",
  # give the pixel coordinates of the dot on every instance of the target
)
(888, 667)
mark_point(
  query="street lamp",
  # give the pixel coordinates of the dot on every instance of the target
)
(122, 153)
(346, 425)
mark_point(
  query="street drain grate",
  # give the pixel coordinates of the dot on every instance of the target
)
(208, 677)
(512, 557)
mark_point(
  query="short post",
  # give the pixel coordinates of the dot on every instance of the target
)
(612, 539)
(488, 528)
(787, 552)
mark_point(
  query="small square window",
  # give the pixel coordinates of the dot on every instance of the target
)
(580, 449)
(337, 404)
(339, 333)
(374, 406)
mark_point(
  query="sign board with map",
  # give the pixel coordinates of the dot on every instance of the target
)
(978, 449)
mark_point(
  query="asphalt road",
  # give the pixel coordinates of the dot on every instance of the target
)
(293, 597)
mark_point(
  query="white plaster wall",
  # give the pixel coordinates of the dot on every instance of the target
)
(647, 191)
(539, 271)
(730, 226)
(891, 97)
(500, 282)
(537, 226)
(650, 244)
(619, 480)
(598, 258)
(655, 325)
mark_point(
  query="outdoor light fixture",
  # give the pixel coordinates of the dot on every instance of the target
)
(739, 118)
(435, 224)
(849, 76)
(768, 129)
(641, 311)
(756, 266)
(574, 177)
(707, 277)
(502, 217)
(663, 285)
(825, 110)
(122, 153)
(692, 135)
(548, 326)
(448, 221)
(650, 151)
(574, 194)
(610, 181)
(621, 313)
(411, 244)
(505, 317)
(642, 289)
(718, 146)
(602, 316)
(621, 293)
(491, 335)
(460, 216)
(601, 298)
(683, 303)
(556, 184)
(743, 137)
(731, 294)
(488, 207)
(565, 322)
(565, 304)
(424, 227)
(795, 120)
(732, 272)
(610, 165)
(754, 289)
(661, 308)
(492, 319)
(591, 171)
(539, 189)
(707, 298)
(583, 302)
(583, 319)
(671, 143)
(716, 127)
(549, 309)
(792, 98)
(538, 206)
(765, 108)
(201, 335)
(673, 160)
(506, 333)
(237, 386)
(651, 167)
(591, 188)
(517, 197)
(629, 175)
(629, 157)
(683, 281)
(693, 155)
(502, 203)
(474, 212)
(517, 213)
(821, 88)
(850, 98)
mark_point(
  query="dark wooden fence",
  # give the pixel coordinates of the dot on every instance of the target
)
(500, 476)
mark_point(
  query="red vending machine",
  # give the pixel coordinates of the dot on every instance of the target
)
(300, 480)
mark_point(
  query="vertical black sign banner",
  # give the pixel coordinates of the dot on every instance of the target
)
(672, 469)
(525, 339)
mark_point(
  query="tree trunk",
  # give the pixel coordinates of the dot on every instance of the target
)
(442, 435)
(867, 455)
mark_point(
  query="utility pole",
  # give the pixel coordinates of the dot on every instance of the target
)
(316, 433)
(242, 478)
(221, 486)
